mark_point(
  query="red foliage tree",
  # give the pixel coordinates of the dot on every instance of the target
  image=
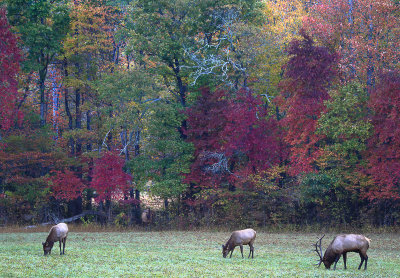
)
(384, 145)
(65, 185)
(308, 74)
(205, 122)
(251, 137)
(9, 68)
(364, 32)
(233, 138)
(109, 178)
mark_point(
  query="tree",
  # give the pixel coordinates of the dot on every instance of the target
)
(42, 25)
(308, 74)
(206, 121)
(128, 98)
(89, 53)
(26, 158)
(335, 189)
(65, 185)
(110, 182)
(165, 157)
(229, 54)
(162, 34)
(251, 136)
(164, 31)
(235, 140)
(363, 32)
(345, 124)
(383, 146)
(283, 20)
(10, 57)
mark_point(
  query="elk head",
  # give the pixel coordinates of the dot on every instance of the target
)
(47, 246)
(225, 250)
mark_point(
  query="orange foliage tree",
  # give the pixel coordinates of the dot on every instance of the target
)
(365, 33)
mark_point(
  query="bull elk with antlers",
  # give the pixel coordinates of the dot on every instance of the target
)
(341, 245)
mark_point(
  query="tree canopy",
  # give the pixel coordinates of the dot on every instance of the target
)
(253, 112)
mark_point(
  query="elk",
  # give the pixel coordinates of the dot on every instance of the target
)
(341, 245)
(240, 238)
(147, 217)
(59, 233)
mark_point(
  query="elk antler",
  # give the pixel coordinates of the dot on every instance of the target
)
(318, 245)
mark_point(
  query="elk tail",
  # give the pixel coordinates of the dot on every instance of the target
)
(369, 240)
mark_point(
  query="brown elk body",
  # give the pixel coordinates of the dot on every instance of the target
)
(341, 245)
(147, 217)
(240, 238)
(59, 233)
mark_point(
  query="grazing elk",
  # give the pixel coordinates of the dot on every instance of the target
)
(341, 245)
(59, 233)
(147, 217)
(240, 238)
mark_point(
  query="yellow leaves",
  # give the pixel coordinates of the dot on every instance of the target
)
(284, 19)
(92, 29)
(329, 159)
(267, 181)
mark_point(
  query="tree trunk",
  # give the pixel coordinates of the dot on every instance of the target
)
(351, 50)
(67, 110)
(75, 206)
(42, 78)
(166, 208)
(88, 127)
(370, 69)
(78, 120)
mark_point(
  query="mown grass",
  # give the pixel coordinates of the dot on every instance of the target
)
(185, 254)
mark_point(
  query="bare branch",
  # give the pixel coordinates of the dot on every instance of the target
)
(219, 167)
(104, 140)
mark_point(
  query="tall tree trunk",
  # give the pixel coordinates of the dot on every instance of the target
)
(136, 209)
(137, 142)
(42, 91)
(179, 82)
(56, 104)
(78, 120)
(352, 69)
(67, 109)
(108, 211)
(370, 67)
(88, 127)
(166, 208)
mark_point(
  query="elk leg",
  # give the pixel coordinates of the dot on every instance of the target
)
(344, 259)
(241, 250)
(65, 239)
(60, 245)
(366, 260)
(336, 260)
(362, 260)
(232, 251)
(251, 251)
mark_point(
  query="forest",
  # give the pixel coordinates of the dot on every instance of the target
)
(210, 113)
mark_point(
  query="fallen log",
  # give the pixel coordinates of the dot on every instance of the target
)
(70, 219)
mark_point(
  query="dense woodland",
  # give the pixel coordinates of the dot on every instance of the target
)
(227, 112)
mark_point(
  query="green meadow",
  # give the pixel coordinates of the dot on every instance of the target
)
(186, 254)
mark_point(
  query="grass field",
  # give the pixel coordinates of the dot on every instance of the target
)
(185, 254)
